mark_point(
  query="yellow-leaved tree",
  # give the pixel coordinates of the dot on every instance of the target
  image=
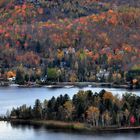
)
(68, 108)
(93, 115)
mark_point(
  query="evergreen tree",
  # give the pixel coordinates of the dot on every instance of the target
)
(37, 110)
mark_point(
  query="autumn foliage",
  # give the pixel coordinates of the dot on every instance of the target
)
(33, 36)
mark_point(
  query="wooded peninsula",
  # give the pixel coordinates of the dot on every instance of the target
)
(85, 111)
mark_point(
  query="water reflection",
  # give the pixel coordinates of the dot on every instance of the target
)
(13, 131)
(24, 126)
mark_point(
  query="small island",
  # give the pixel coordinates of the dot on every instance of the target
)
(86, 112)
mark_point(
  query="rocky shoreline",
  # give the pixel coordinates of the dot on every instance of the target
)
(70, 85)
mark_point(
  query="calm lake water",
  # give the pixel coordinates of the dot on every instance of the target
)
(15, 96)
(10, 132)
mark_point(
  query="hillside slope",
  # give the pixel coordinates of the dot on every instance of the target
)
(75, 37)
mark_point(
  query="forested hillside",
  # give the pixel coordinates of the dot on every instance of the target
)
(70, 40)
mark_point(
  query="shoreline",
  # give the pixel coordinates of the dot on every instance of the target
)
(73, 126)
(71, 84)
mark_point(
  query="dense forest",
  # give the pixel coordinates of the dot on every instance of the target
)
(70, 40)
(99, 109)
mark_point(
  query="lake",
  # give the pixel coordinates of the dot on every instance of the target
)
(21, 132)
(15, 96)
